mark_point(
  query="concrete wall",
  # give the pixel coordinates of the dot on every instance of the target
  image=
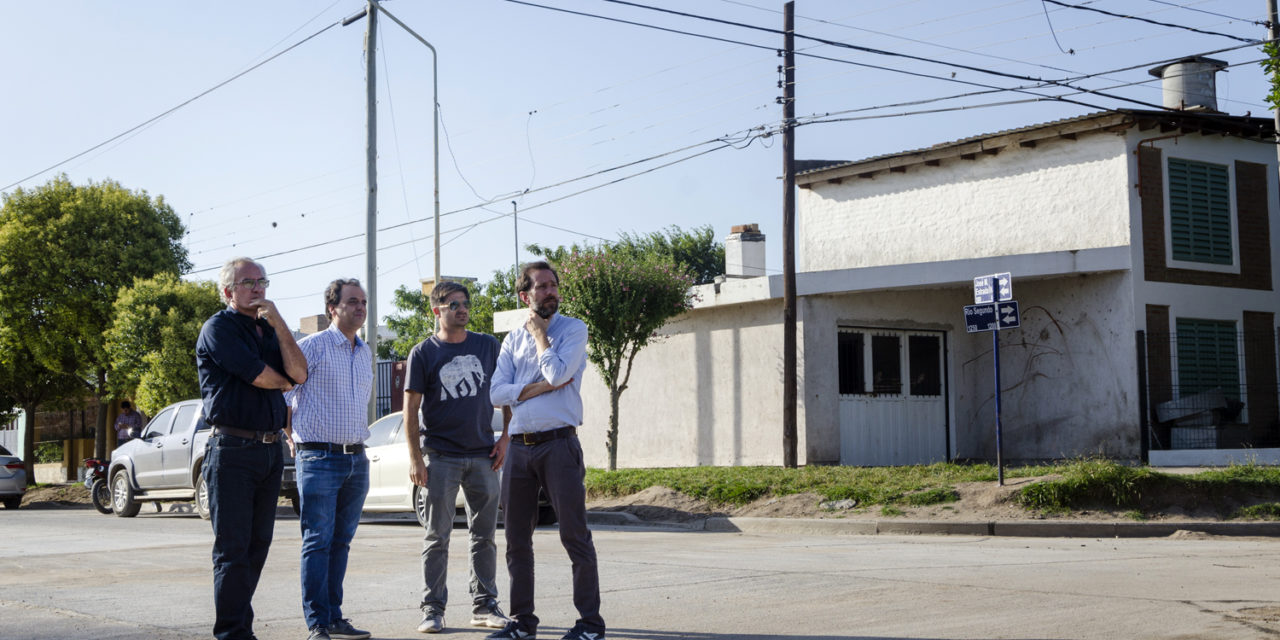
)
(709, 392)
(1059, 195)
(1068, 374)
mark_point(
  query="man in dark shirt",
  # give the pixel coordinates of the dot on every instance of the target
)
(246, 358)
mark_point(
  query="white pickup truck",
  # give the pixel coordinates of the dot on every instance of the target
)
(164, 464)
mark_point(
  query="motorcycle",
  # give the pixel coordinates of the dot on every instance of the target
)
(96, 480)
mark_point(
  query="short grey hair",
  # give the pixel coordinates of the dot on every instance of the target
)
(227, 277)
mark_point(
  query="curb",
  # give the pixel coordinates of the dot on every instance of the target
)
(1005, 528)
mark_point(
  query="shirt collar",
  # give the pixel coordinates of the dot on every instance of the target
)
(337, 337)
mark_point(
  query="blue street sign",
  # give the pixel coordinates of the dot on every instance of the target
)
(984, 290)
(1004, 286)
(1007, 313)
(980, 317)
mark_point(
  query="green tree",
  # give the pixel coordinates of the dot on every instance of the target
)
(1271, 65)
(623, 296)
(29, 384)
(416, 323)
(151, 344)
(65, 252)
(695, 251)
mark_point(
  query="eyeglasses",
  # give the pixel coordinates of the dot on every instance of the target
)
(453, 306)
(249, 283)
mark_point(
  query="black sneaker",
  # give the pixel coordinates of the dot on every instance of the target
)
(342, 630)
(578, 632)
(511, 632)
(319, 633)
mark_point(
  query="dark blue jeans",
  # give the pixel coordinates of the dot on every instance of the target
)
(244, 485)
(332, 487)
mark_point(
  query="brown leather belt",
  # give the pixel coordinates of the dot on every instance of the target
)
(539, 437)
(265, 437)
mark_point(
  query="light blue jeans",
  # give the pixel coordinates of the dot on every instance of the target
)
(479, 485)
(332, 488)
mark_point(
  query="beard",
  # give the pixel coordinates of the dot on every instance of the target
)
(547, 307)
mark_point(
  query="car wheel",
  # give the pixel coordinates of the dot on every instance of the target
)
(100, 495)
(122, 501)
(420, 505)
(202, 496)
(13, 503)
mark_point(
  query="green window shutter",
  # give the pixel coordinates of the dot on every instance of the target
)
(1208, 357)
(1199, 211)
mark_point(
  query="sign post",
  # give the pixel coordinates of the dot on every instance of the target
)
(993, 309)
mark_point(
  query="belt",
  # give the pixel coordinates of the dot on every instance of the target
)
(331, 448)
(539, 437)
(265, 437)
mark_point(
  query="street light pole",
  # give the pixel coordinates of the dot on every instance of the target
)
(435, 138)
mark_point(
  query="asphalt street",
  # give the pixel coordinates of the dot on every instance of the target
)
(73, 573)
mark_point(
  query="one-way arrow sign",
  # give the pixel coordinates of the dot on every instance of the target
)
(1007, 314)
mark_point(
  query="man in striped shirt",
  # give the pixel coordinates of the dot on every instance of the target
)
(328, 427)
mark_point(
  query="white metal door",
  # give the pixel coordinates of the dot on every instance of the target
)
(893, 408)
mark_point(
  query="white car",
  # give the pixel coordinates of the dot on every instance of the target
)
(13, 478)
(389, 488)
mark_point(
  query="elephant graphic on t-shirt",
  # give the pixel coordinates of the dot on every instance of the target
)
(461, 377)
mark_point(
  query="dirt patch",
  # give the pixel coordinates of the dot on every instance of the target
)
(56, 495)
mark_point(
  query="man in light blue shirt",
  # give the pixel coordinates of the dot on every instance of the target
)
(539, 376)
(328, 427)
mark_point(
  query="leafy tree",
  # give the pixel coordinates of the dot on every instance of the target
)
(29, 384)
(623, 296)
(695, 251)
(65, 252)
(416, 322)
(1271, 64)
(151, 344)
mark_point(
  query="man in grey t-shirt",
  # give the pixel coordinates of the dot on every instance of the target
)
(448, 380)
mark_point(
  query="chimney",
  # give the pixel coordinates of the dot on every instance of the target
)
(1189, 83)
(744, 252)
(313, 324)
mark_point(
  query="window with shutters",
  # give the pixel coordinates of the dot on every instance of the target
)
(1208, 357)
(1200, 212)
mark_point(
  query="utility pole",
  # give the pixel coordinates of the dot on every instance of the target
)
(371, 208)
(789, 385)
(1272, 30)
(515, 228)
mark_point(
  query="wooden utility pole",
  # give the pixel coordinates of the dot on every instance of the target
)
(371, 208)
(789, 239)
(1272, 30)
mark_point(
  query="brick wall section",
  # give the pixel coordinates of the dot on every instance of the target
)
(1151, 191)
(1159, 369)
(1260, 372)
(1252, 234)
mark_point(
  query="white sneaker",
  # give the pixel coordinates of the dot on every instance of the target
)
(432, 622)
(492, 618)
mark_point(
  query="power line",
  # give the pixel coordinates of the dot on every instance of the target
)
(170, 111)
(1212, 13)
(1150, 21)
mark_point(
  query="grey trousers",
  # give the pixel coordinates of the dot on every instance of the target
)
(555, 466)
(479, 484)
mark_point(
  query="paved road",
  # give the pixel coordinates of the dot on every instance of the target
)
(72, 573)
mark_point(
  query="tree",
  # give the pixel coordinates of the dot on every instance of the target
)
(29, 384)
(151, 344)
(696, 251)
(416, 322)
(623, 296)
(65, 252)
(1271, 65)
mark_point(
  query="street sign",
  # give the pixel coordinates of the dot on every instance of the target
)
(997, 287)
(984, 290)
(980, 317)
(1007, 314)
(1004, 286)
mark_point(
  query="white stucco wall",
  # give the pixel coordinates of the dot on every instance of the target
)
(1060, 195)
(1068, 374)
(709, 392)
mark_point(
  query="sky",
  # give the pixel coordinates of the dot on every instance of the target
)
(587, 128)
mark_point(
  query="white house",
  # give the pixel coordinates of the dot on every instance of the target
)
(1140, 244)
